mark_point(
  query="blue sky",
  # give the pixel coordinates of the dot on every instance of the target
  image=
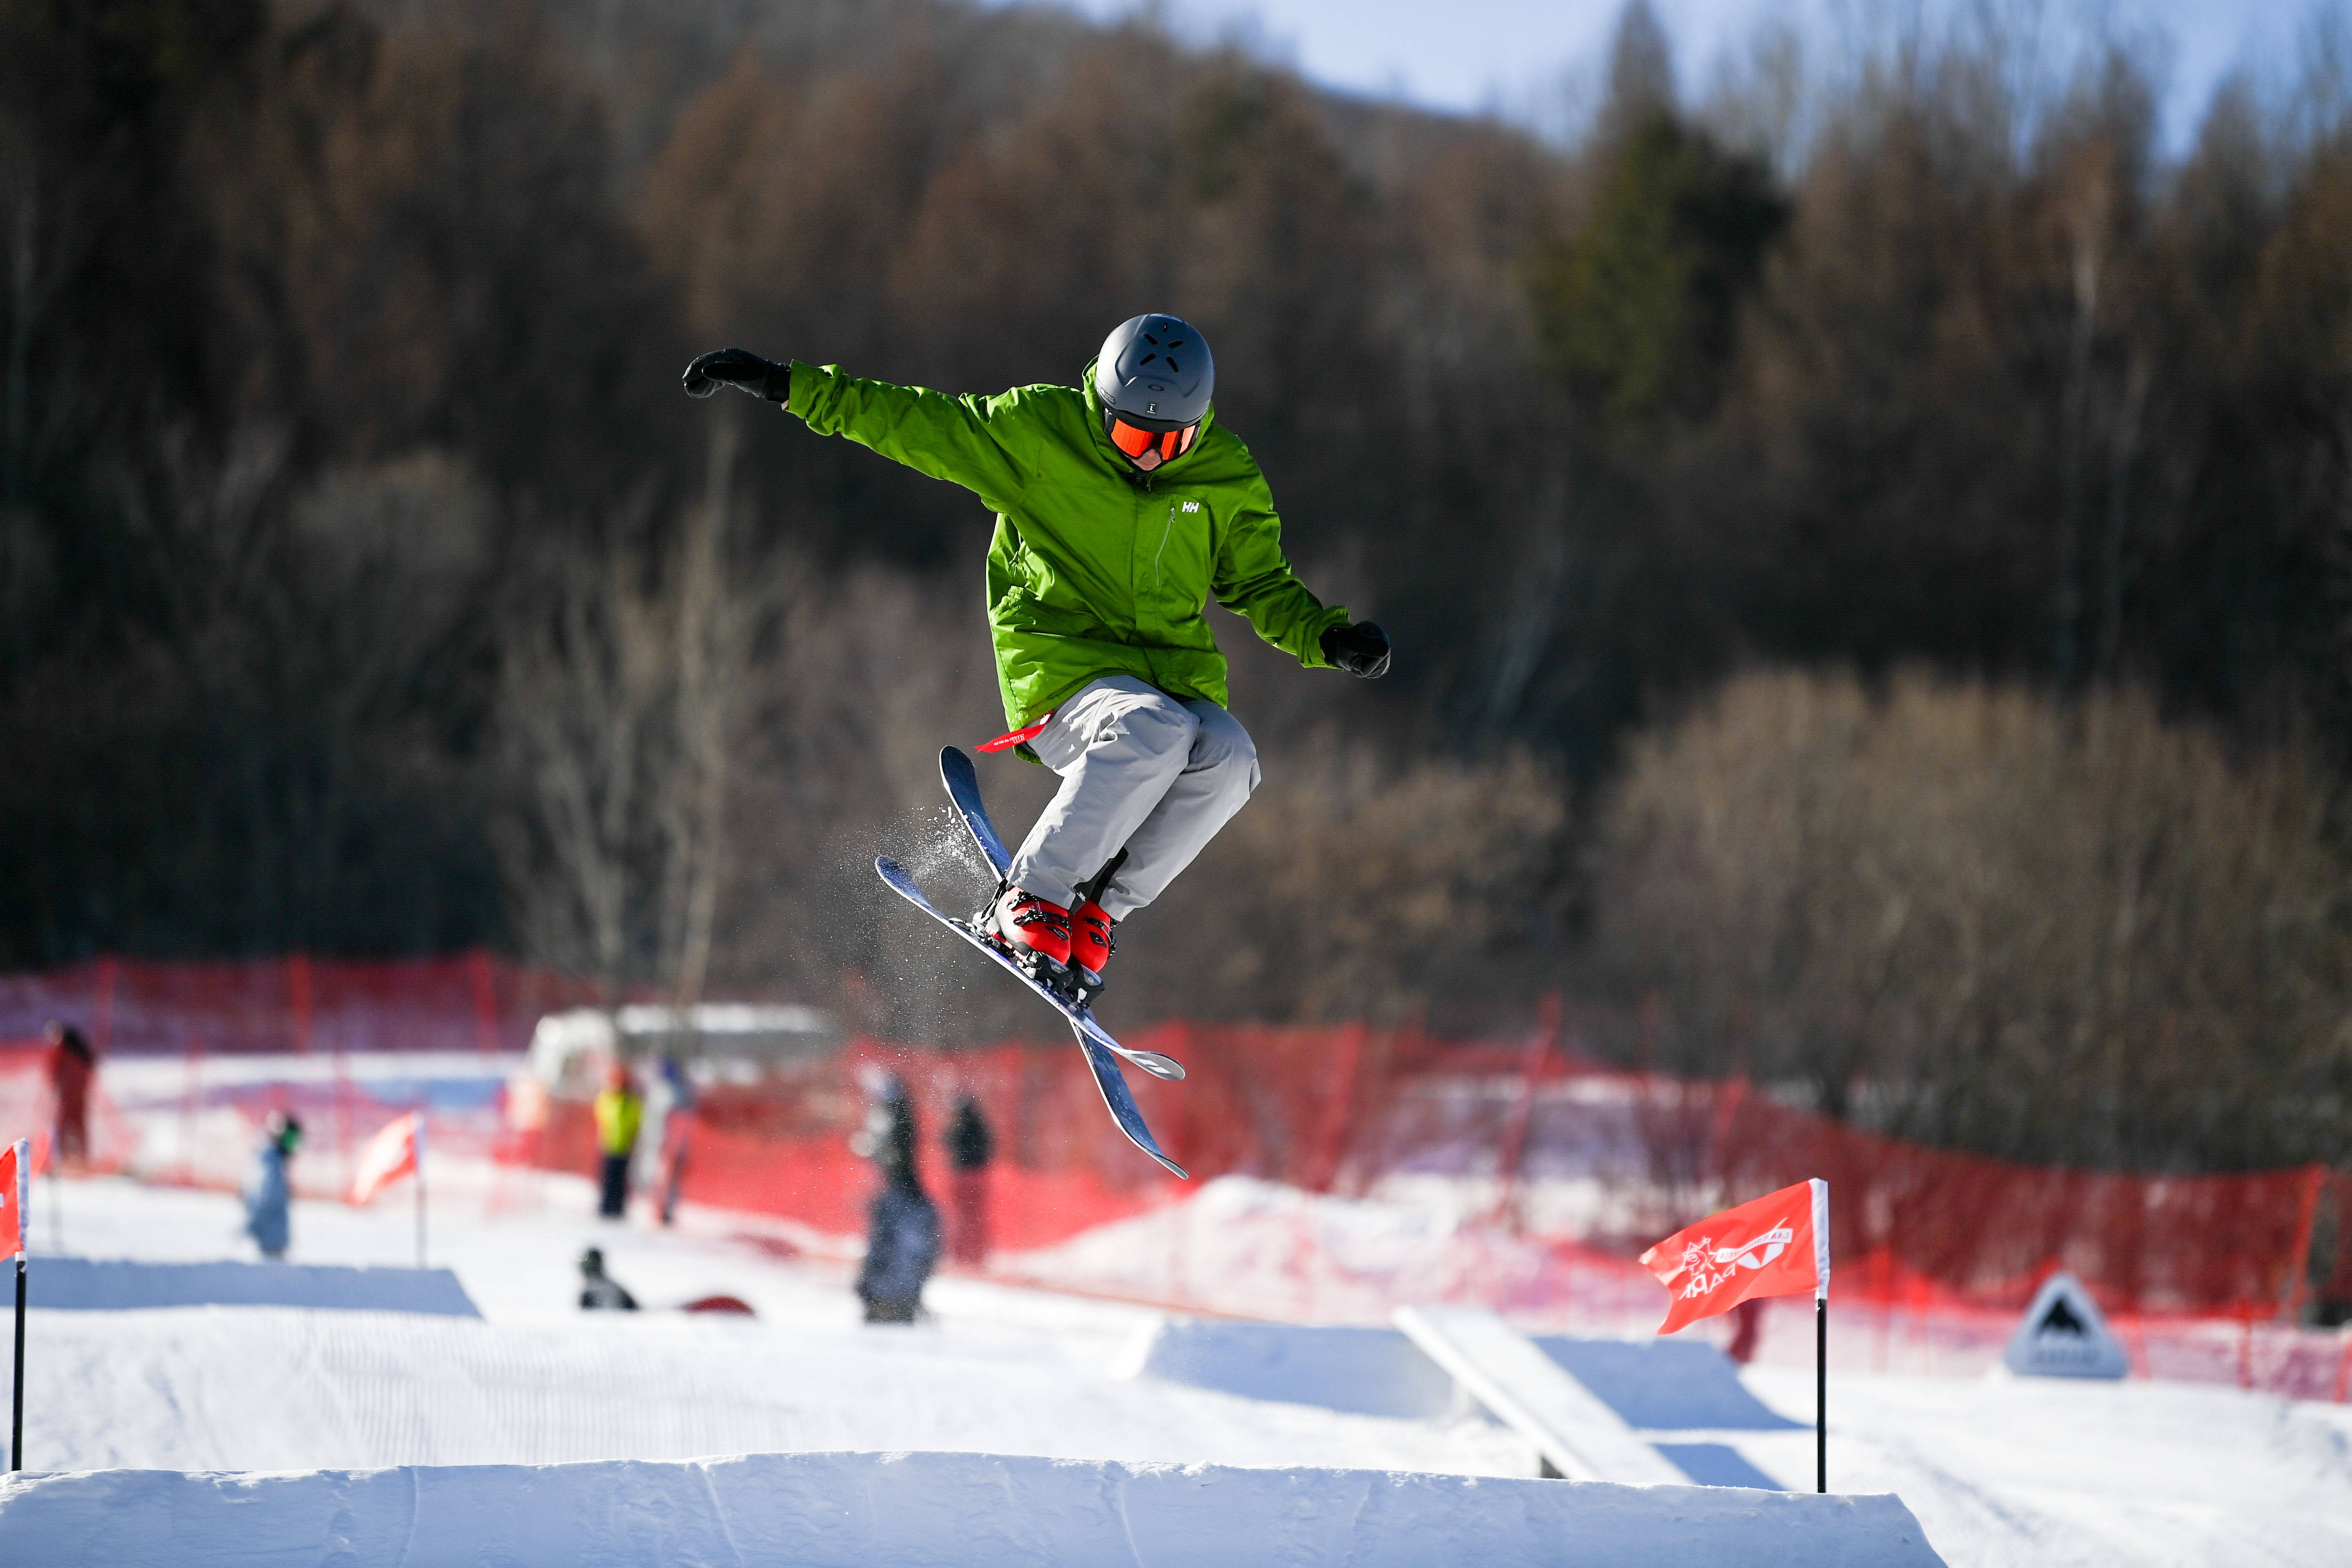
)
(1475, 54)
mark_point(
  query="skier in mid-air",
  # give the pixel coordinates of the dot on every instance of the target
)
(1121, 508)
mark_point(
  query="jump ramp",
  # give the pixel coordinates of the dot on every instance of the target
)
(1680, 1398)
(84, 1284)
(916, 1510)
(1580, 1437)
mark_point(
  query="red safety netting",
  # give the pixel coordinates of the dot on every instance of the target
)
(469, 1002)
(1352, 1111)
(1550, 1172)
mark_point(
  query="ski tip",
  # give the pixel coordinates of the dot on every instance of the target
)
(1179, 1173)
(1164, 1068)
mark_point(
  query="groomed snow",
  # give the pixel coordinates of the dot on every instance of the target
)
(1997, 1471)
(117, 1284)
(968, 1511)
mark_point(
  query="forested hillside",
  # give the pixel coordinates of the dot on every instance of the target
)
(369, 587)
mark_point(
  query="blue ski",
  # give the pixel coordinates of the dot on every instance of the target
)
(1097, 1046)
(963, 789)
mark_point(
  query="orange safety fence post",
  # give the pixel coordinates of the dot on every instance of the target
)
(1331, 1139)
(2306, 1227)
(1532, 1063)
(298, 998)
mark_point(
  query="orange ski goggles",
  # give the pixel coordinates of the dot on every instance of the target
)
(1150, 448)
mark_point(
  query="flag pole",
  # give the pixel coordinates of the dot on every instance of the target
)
(1822, 1393)
(16, 1421)
(1820, 1335)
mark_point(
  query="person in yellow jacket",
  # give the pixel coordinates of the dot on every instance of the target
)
(619, 1113)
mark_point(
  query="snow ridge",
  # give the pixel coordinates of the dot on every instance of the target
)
(975, 1511)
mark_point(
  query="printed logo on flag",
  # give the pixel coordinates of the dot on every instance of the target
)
(1770, 1246)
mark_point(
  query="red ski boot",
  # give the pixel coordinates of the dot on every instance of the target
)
(1038, 934)
(1092, 941)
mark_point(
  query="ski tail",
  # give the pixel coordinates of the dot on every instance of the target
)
(1119, 1101)
(963, 789)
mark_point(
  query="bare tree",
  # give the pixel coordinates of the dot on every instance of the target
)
(619, 704)
(1983, 917)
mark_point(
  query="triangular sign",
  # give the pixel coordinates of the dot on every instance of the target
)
(2065, 1335)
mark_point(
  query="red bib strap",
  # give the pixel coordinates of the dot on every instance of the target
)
(1017, 737)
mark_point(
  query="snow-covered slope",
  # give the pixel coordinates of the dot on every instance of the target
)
(1997, 1471)
(952, 1511)
(117, 1284)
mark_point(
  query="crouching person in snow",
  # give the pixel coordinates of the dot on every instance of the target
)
(1122, 506)
(599, 1291)
(266, 1194)
(902, 1226)
(902, 1245)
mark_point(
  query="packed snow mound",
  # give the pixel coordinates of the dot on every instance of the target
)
(263, 1388)
(1652, 1385)
(1365, 1372)
(84, 1284)
(901, 1511)
(1665, 1385)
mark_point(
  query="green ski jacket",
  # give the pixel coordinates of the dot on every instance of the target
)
(1095, 569)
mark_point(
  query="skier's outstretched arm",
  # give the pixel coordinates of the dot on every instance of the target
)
(1254, 581)
(967, 441)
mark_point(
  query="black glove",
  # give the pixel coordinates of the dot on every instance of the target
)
(739, 367)
(1360, 649)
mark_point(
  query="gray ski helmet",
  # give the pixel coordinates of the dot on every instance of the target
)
(1157, 370)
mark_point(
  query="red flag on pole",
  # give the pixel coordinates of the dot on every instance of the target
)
(16, 1167)
(389, 1155)
(1776, 1246)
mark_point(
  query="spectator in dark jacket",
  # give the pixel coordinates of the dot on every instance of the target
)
(902, 1227)
(970, 1147)
(902, 1247)
(72, 1065)
(267, 1195)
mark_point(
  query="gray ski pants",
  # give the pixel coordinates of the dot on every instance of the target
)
(1140, 771)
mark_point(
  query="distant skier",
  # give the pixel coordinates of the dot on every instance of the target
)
(888, 1136)
(970, 1147)
(902, 1226)
(1122, 508)
(619, 1113)
(268, 1194)
(661, 1145)
(599, 1291)
(72, 1066)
